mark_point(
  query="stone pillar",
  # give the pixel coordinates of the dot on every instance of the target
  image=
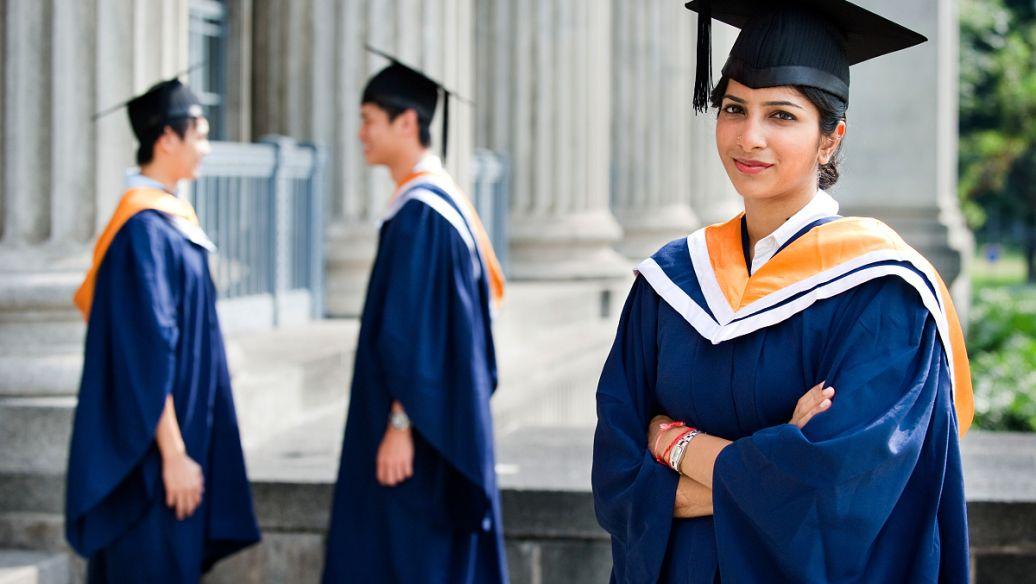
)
(901, 154)
(714, 200)
(310, 69)
(652, 126)
(61, 171)
(544, 95)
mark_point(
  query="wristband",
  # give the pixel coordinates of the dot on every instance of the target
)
(663, 428)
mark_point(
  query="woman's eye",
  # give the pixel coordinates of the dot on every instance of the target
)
(733, 109)
(782, 115)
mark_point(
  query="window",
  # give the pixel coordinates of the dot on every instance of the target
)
(207, 54)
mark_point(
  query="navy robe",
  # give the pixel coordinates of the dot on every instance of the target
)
(869, 491)
(425, 340)
(153, 332)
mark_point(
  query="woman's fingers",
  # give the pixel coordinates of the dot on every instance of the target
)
(817, 400)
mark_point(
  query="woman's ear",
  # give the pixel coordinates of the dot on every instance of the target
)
(829, 144)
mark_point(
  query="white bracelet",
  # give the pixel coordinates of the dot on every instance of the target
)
(680, 448)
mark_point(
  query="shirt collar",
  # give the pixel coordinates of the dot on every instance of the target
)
(820, 206)
(429, 163)
(136, 180)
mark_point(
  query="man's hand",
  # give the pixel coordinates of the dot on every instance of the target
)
(395, 457)
(184, 484)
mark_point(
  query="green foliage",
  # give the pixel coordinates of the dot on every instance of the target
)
(1002, 348)
(998, 115)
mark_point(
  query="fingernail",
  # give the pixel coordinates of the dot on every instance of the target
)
(825, 403)
(828, 391)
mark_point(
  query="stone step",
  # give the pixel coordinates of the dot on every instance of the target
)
(283, 376)
(35, 433)
(26, 567)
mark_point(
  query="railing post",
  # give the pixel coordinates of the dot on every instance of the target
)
(280, 186)
(317, 191)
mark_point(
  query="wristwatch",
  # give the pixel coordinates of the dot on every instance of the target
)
(399, 421)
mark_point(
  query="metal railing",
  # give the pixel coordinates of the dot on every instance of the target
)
(262, 205)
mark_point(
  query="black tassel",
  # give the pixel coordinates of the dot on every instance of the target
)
(703, 72)
(445, 123)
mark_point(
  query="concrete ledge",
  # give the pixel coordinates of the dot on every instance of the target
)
(552, 534)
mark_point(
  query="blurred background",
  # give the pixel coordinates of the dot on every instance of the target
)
(582, 154)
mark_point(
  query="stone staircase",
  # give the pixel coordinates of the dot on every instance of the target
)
(291, 393)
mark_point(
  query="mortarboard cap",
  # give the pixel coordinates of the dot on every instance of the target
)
(794, 42)
(163, 103)
(403, 86)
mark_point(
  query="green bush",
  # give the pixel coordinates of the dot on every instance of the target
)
(1002, 348)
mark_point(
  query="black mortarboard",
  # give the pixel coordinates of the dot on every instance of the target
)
(794, 42)
(405, 87)
(165, 102)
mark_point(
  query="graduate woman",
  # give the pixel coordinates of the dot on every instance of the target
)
(157, 490)
(786, 391)
(416, 498)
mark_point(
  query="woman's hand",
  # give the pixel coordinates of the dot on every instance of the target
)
(658, 443)
(184, 484)
(813, 402)
(395, 457)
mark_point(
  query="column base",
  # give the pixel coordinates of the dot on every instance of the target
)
(570, 247)
(350, 250)
(41, 331)
(646, 230)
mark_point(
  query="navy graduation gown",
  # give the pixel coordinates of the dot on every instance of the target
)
(425, 340)
(152, 332)
(869, 491)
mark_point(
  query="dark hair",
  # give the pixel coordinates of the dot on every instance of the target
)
(424, 134)
(832, 110)
(146, 150)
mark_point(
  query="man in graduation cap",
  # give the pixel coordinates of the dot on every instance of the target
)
(786, 392)
(416, 498)
(157, 490)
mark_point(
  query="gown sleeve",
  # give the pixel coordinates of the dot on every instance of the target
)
(633, 494)
(810, 504)
(128, 370)
(431, 344)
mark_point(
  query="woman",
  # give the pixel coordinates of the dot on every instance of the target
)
(785, 393)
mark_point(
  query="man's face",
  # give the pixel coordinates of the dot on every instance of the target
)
(186, 154)
(382, 138)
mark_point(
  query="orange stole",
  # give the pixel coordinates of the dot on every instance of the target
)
(822, 248)
(133, 201)
(495, 274)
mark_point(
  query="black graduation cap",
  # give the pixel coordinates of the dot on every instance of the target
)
(405, 87)
(794, 42)
(164, 102)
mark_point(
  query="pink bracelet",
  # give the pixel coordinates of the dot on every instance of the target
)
(663, 427)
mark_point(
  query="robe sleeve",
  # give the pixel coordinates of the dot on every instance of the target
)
(633, 494)
(128, 370)
(431, 343)
(809, 505)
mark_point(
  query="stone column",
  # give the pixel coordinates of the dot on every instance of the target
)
(714, 199)
(901, 154)
(544, 100)
(310, 69)
(62, 172)
(652, 126)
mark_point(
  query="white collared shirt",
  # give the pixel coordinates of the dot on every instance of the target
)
(134, 180)
(820, 206)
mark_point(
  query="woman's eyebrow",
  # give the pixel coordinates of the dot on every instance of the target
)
(784, 103)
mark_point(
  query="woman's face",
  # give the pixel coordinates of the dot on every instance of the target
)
(769, 140)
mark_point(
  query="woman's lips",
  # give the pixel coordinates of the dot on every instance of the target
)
(750, 166)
